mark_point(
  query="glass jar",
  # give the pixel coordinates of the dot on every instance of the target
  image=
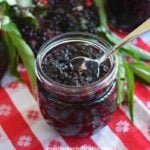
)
(127, 14)
(74, 110)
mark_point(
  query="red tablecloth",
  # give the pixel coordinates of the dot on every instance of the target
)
(23, 128)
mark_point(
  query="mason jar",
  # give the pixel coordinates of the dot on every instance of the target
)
(72, 109)
(127, 14)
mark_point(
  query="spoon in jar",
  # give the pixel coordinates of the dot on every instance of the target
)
(85, 63)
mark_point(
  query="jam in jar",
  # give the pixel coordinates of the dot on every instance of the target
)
(75, 102)
(127, 14)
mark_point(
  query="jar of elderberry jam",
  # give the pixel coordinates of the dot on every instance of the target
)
(127, 14)
(75, 102)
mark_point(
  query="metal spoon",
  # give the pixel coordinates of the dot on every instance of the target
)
(84, 63)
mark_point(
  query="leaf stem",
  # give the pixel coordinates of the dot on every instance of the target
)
(102, 14)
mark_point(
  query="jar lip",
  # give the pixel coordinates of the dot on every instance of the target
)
(59, 40)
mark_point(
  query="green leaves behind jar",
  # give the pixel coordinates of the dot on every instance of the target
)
(16, 46)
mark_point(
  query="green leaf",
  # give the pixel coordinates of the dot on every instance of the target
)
(11, 2)
(130, 89)
(24, 3)
(143, 55)
(26, 55)
(141, 70)
(120, 81)
(102, 14)
(29, 17)
(5, 20)
(131, 50)
(11, 27)
(12, 54)
(4, 7)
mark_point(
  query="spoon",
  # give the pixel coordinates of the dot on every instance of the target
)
(85, 63)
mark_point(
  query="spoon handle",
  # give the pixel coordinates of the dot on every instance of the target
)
(135, 33)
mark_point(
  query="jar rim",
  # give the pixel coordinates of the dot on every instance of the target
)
(61, 39)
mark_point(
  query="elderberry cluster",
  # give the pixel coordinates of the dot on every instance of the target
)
(56, 17)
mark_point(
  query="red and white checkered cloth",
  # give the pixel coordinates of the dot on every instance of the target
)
(23, 128)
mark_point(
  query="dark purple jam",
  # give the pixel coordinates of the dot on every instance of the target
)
(55, 65)
(75, 103)
(77, 119)
(127, 14)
